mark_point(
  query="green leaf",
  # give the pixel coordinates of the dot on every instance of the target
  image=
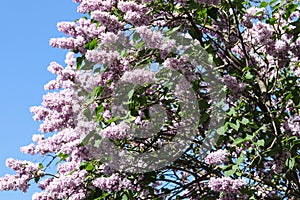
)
(240, 159)
(113, 119)
(263, 4)
(130, 93)
(288, 96)
(213, 13)
(231, 112)
(172, 30)
(37, 178)
(234, 126)
(79, 62)
(272, 21)
(295, 143)
(229, 172)
(194, 35)
(249, 76)
(290, 138)
(222, 130)
(245, 121)
(63, 156)
(260, 142)
(210, 59)
(89, 167)
(273, 1)
(98, 142)
(92, 44)
(204, 117)
(88, 137)
(41, 166)
(249, 137)
(232, 171)
(139, 45)
(83, 165)
(238, 140)
(103, 196)
(123, 53)
(290, 163)
(87, 113)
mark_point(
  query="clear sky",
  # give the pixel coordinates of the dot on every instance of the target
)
(26, 27)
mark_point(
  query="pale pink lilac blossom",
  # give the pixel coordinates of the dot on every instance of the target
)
(25, 172)
(155, 39)
(226, 184)
(232, 83)
(134, 13)
(114, 131)
(107, 20)
(139, 76)
(102, 56)
(68, 43)
(92, 5)
(217, 157)
(112, 183)
(251, 14)
(65, 186)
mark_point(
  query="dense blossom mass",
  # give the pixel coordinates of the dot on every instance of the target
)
(252, 47)
(217, 157)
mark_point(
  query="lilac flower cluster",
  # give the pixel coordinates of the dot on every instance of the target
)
(154, 39)
(261, 35)
(112, 183)
(56, 111)
(70, 60)
(232, 83)
(279, 161)
(114, 72)
(175, 63)
(292, 125)
(182, 65)
(111, 22)
(15, 182)
(134, 13)
(226, 184)
(217, 157)
(83, 27)
(86, 80)
(58, 142)
(113, 131)
(26, 171)
(22, 167)
(69, 186)
(91, 5)
(251, 14)
(68, 43)
(102, 56)
(139, 76)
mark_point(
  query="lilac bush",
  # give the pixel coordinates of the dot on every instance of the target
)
(253, 47)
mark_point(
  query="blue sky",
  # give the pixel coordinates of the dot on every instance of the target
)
(26, 27)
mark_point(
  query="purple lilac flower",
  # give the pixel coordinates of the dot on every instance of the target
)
(226, 184)
(217, 157)
(232, 84)
(139, 76)
(119, 131)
